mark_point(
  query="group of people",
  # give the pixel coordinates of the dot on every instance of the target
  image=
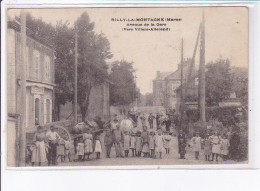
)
(131, 135)
(45, 146)
(125, 136)
(212, 145)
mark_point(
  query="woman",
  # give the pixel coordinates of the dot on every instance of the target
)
(39, 151)
(145, 145)
(215, 140)
(88, 143)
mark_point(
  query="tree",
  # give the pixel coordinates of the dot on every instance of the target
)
(64, 64)
(123, 91)
(93, 50)
(218, 81)
(240, 83)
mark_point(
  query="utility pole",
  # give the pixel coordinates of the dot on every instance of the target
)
(202, 78)
(181, 104)
(22, 141)
(76, 78)
(136, 92)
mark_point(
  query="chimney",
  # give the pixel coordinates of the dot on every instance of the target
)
(158, 74)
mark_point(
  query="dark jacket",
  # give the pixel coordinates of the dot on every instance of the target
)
(108, 139)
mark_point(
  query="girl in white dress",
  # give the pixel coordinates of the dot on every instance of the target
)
(215, 140)
(224, 146)
(195, 143)
(98, 148)
(80, 149)
(88, 143)
(159, 143)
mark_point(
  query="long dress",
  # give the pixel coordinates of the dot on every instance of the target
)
(138, 144)
(88, 144)
(159, 143)
(133, 138)
(98, 146)
(196, 144)
(224, 145)
(215, 144)
(126, 142)
(39, 151)
(167, 139)
(144, 136)
(80, 149)
(139, 124)
(207, 147)
(151, 142)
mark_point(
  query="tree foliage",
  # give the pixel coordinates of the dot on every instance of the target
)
(93, 50)
(64, 64)
(240, 83)
(218, 81)
(123, 91)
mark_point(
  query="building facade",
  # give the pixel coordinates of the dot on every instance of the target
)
(166, 85)
(39, 62)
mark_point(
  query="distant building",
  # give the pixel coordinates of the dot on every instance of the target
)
(167, 84)
(39, 76)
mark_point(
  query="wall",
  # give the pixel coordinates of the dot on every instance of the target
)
(11, 141)
(11, 81)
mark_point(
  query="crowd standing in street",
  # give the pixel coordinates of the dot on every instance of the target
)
(134, 137)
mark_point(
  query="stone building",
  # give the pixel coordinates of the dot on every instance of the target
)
(166, 85)
(99, 104)
(39, 62)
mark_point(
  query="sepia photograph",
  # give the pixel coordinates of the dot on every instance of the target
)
(127, 86)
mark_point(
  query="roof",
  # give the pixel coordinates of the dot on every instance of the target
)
(163, 75)
(17, 26)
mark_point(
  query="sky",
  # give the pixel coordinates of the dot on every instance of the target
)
(226, 34)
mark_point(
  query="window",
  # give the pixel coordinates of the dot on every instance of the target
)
(48, 112)
(37, 111)
(37, 64)
(47, 68)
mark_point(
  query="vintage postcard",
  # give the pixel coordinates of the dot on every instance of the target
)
(122, 86)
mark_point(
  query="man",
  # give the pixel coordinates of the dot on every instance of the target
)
(108, 142)
(150, 120)
(182, 144)
(157, 120)
(53, 138)
(234, 146)
(114, 124)
(118, 140)
(126, 124)
(167, 123)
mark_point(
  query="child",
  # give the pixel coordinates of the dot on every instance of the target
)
(98, 149)
(224, 146)
(133, 141)
(68, 146)
(108, 141)
(145, 145)
(80, 149)
(196, 145)
(152, 144)
(215, 140)
(166, 143)
(88, 143)
(126, 143)
(138, 144)
(207, 147)
(159, 143)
